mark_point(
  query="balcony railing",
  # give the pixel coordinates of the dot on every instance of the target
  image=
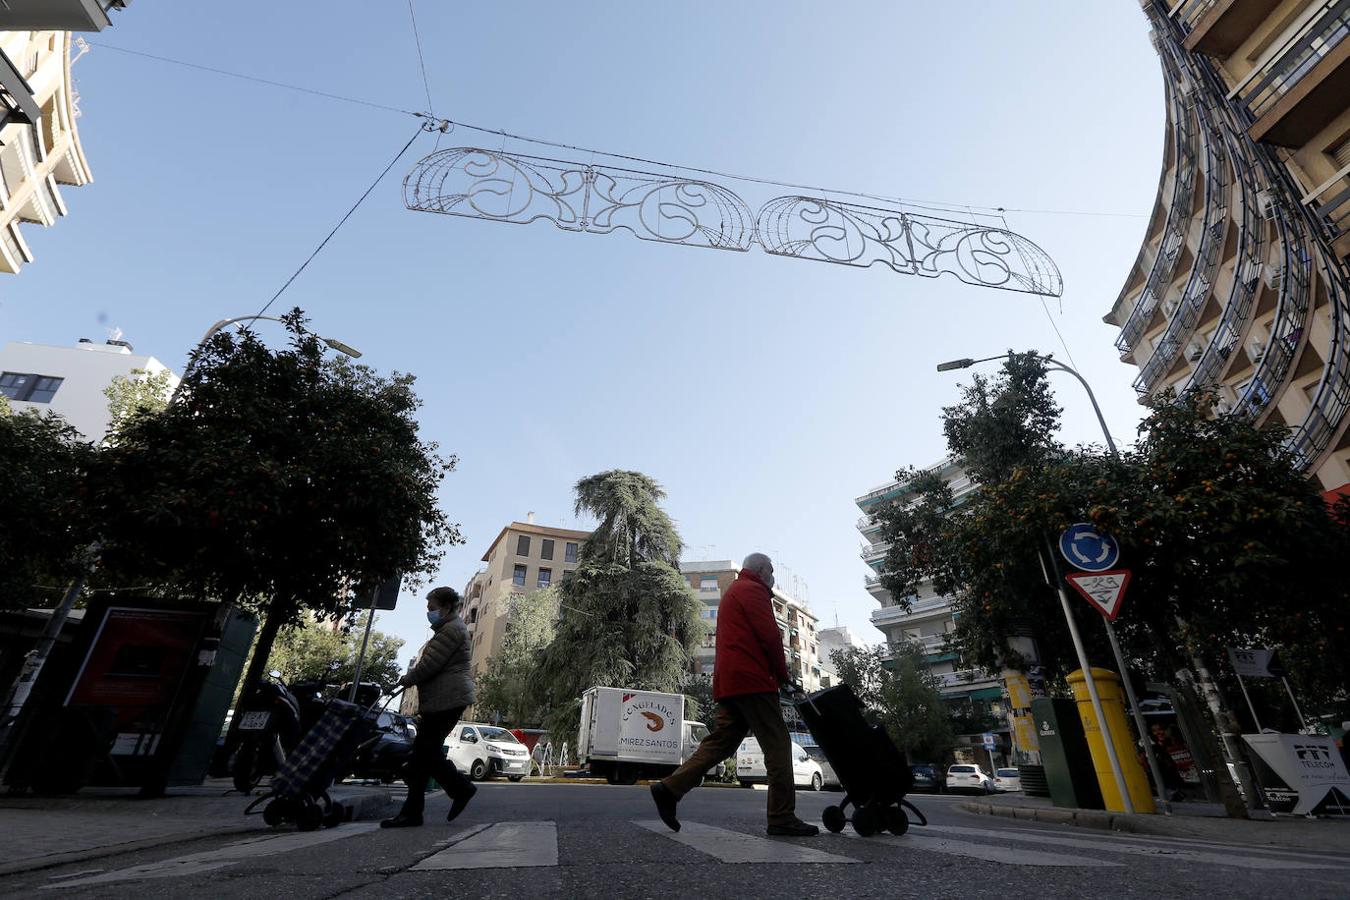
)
(1203, 269)
(872, 551)
(1186, 151)
(1192, 11)
(967, 678)
(866, 523)
(1300, 54)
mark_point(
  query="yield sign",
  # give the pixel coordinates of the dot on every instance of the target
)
(1104, 590)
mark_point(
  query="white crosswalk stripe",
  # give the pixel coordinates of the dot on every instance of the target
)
(221, 857)
(738, 847)
(503, 845)
(1241, 858)
(986, 852)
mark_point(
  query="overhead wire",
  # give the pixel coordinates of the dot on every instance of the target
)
(429, 116)
(254, 78)
(421, 61)
(341, 221)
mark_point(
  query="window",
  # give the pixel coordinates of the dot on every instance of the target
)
(707, 583)
(30, 387)
(519, 577)
(545, 577)
(468, 734)
(523, 545)
(708, 613)
(546, 548)
(570, 552)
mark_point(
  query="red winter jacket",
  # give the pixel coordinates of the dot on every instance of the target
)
(749, 646)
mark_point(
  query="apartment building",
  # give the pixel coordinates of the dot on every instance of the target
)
(523, 557)
(930, 616)
(70, 381)
(1241, 283)
(796, 623)
(839, 637)
(39, 143)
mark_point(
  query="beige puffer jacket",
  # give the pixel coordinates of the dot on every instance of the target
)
(441, 673)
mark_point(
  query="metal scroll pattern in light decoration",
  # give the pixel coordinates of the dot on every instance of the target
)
(502, 187)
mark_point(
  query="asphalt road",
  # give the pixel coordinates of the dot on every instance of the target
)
(524, 841)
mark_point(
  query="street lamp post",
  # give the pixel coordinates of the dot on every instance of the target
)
(1149, 750)
(339, 346)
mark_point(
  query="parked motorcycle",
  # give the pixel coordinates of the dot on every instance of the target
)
(272, 719)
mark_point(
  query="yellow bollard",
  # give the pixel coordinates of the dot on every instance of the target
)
(1136, 780)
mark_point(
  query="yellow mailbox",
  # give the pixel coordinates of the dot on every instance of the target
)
(1113, 705)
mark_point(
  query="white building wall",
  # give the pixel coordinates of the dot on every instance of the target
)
(85, 370)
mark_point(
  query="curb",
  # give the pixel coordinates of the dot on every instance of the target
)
(1083, 818)
(364, 803)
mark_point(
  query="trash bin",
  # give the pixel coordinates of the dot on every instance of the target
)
(1113, 706)
(1065, 755)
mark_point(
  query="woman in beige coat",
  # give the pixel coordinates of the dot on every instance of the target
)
(444, 688)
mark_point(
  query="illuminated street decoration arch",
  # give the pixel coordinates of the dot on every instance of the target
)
(674, 209)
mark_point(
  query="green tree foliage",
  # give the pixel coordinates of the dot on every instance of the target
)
(1226, 537)
(140, 393)
(315, 651)
(504, 693)
(628, 617)
(901, 694)
(44, 525)
(279, 478)
(698, 699)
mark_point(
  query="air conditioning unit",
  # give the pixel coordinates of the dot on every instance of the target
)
(1256, 348)
(1169, 307)
(1223, 407)
(1194, 351)
(1266, 203)
(1276, 278)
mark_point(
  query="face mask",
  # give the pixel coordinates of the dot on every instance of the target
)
(434, 616)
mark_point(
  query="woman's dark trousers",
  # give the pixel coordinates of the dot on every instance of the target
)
(428, 761)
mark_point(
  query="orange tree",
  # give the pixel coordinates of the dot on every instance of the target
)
(1227, 538)
(279, 479)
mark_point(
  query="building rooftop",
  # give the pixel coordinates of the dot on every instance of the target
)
(531, 528)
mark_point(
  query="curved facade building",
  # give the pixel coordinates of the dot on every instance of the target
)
(1242, 282)
(36, 156)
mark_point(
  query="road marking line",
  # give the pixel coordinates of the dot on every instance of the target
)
(1184, 854)
(986, 852)
(737, 847)
(222, 857)
(1195, 843)
(503, 845)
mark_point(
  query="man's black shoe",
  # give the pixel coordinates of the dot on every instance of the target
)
(665, 805)
(402, 821)
(796, 829)
(457, 805)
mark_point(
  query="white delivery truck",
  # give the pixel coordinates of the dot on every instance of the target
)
(628, 734)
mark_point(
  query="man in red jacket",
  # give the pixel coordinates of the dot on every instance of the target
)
(747, 672)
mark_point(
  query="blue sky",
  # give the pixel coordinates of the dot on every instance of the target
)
(764, 393)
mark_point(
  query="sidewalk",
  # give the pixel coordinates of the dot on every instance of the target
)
(1199, 821)
(40, 832)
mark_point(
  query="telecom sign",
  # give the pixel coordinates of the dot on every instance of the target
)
(1088, 549)
(1104, 590)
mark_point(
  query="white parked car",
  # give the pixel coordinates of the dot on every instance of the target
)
(965, 777)
(1007, 780)
(750, 766)
(485, 751)
(826, 770)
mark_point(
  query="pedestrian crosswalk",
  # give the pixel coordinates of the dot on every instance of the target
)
(536, 844)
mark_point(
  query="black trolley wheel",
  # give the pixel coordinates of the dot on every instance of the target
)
(866, 821)
(834, 819)
(896, 821)
(274, 813)
(309, 817)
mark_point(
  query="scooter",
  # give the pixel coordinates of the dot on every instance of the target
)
(269, 727)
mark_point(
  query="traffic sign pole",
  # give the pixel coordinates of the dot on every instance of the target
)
(1090, 682)
(1150, 749)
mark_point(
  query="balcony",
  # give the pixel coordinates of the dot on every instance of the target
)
(966, 679)
(1218, 27)
(1304, 85)
(865, 524)
(874, 551)
(1330, 202)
